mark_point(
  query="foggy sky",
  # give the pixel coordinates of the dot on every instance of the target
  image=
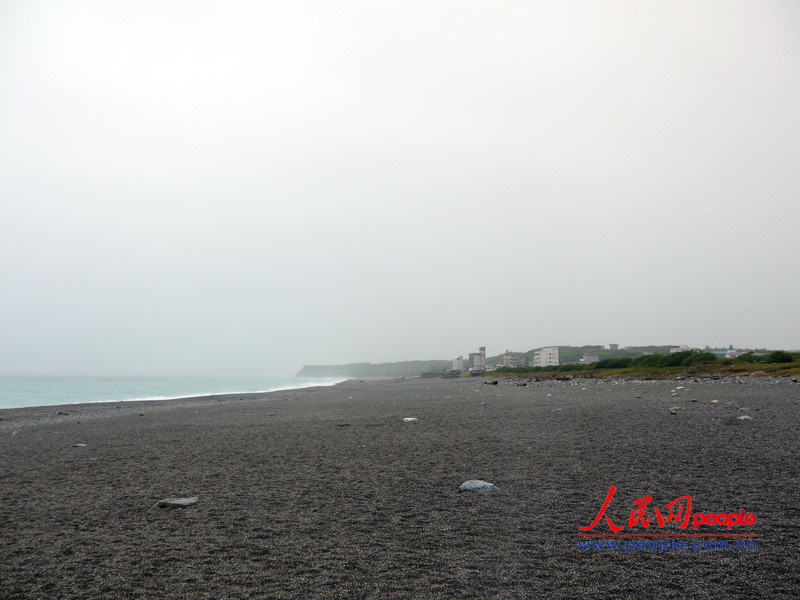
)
(245, 187)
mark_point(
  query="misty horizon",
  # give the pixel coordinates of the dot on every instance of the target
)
(493, 355)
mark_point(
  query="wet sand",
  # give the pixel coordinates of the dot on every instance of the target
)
(327, 493)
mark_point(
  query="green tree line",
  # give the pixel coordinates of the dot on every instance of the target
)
(686, 358)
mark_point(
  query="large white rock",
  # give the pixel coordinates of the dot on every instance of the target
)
(478, 486)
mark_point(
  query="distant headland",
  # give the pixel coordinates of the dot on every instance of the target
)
(409, 368)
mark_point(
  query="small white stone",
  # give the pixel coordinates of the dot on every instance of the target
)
(410, 419)
(478, 486)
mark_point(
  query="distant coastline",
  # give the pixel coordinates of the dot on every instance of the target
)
(636, 362)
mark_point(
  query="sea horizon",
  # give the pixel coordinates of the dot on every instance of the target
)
(21, 391)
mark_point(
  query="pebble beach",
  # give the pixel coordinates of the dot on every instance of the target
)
(352, 491)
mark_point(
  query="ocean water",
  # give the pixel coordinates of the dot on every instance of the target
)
(19, 391)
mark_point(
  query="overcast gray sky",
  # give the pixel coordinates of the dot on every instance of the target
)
(208, 187)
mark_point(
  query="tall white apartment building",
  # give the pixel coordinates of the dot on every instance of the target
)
(546, 357)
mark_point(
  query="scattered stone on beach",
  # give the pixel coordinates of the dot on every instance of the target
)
(478, 486)
(744, 409)
(483, 403)
(745, 418)
(410, 420)
(173, 503)
(79, 445)
(715, 402)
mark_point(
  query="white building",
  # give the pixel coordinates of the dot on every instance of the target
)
(678, 349)
(590, 358)
(458, 364)
(546, 357)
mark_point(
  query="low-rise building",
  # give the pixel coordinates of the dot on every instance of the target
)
(510, 359)
(590, 358)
